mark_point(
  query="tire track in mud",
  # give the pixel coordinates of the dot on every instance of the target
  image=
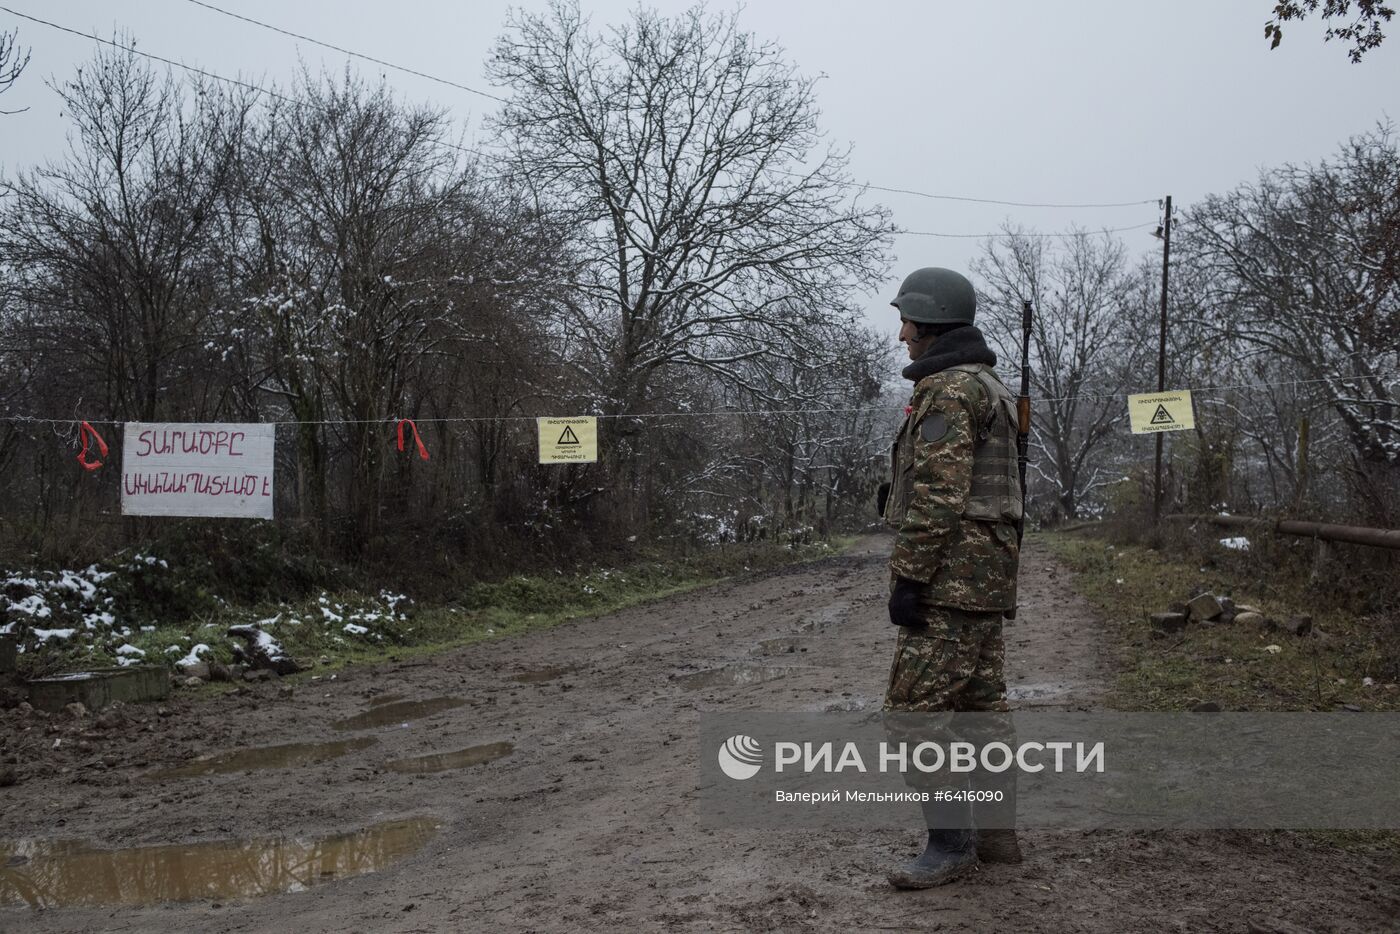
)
(590, 823)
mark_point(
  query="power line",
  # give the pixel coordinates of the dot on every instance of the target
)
(860, 185)
(327, 45)
(476, 152)
(133, 49)
(1014, 204)
(199, 71)
(392, 420)
(1003, 235)
(723, 413)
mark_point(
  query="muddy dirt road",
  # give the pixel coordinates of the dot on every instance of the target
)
(578, 811)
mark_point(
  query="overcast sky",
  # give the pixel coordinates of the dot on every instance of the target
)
(1087, 101)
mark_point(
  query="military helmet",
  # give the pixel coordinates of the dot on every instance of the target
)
(936, 296)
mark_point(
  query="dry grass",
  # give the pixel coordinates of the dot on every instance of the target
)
(1227, 664)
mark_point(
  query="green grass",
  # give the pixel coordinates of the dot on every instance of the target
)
(1229, 665)
(521, 604)
(313, 630)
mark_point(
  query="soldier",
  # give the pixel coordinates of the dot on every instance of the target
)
(955, 501)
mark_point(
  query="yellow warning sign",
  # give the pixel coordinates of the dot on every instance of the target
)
(568, 440)
(1151, 412)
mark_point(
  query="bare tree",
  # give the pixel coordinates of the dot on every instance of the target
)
(17, 363)
(827, 440)
(363, 218)
(796, 446)
(1085, 351)
(13, 60)
(1304, 266)
(107, 248)
(712, 224)
(324, 255)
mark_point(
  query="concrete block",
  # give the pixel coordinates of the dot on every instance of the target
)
(100, 687)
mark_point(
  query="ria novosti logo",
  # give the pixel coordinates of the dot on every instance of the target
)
(740, 757)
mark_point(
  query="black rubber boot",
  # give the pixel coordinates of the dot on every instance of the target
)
(949, 854)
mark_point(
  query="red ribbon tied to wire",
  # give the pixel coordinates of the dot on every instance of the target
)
(422, 451)
(86, 433)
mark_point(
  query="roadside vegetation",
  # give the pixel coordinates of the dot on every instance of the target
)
(159, 606)
(1351, 660)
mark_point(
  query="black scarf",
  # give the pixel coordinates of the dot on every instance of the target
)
(960, 345)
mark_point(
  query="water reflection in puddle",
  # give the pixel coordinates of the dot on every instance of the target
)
(263, 757)
(441, 762)
(543, 674)
(384, 699)
(56, 874)
(729, 676)
(398, 712)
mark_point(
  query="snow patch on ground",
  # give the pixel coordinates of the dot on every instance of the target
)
(192, 659)
(99, 619)
(72, 609)
(34, 605)
(44, 635)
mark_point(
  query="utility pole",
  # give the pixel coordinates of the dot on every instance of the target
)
(1166, 232)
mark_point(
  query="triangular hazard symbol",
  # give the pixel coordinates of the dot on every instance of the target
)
(568, 437)
(1162, 416)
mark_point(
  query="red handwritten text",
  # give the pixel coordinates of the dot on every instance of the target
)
(178, 441)
(154, 483)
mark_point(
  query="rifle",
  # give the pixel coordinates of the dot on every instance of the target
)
(1023, 426)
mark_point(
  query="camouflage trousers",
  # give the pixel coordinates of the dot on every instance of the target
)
(954, 663)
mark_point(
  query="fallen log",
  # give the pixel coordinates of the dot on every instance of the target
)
(1351, 534)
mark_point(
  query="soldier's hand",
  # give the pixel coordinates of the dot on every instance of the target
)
(904, 603)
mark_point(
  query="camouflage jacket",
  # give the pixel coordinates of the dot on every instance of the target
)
(969, 564)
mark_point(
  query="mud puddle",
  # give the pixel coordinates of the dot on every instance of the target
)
(64, 873)
(262, 757)
(444, 761)
(380, 699)
(541, 675)
(783, 645)
(729, 676)
(398, 712)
